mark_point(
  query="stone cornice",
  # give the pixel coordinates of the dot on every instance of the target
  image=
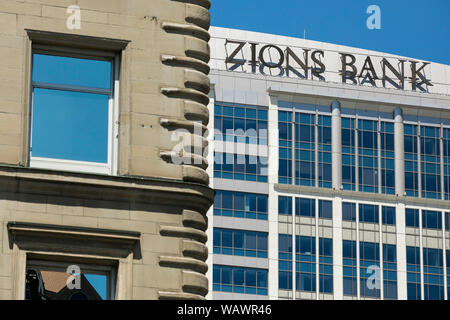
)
(194, 196)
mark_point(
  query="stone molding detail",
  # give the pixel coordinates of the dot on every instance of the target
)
(194, 254)
(196, 87)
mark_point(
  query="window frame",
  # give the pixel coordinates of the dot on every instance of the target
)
(108, 168)
(86, 268)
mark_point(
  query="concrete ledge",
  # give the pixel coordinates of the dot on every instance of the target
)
(194, 219)
(196, 283)
(183, 232)
(167, 295)
(183, 263)
(195, 196)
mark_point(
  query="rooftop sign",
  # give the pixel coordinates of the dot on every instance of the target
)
(310, 64)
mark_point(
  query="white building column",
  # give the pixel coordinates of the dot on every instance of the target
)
(399, 147)
(336, 144)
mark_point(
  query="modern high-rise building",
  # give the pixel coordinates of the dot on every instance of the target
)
(331, 171)
(93, 203)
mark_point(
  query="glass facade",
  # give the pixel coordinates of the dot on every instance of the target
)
(368, 155)
(240, 242)
(370, 268)
(348, 211)
(240, 205)
(368, 213)
(369, 256)
(433, 274)
(324, 151)
(326, 265)
(240, 123)
(430, 162)
(285, 147)
(446, 157)
(412, 218)
(411, 161)
(285, 205)
(387, 156)
(240, 280)
(431, 219)
(388, 215)
(413, 273)
(349, 263)
(325, 209)
(304, 149)
(305, 263)
(305, 207)
(240, 167)
(348, 154)
(285, 261)
(390, 271)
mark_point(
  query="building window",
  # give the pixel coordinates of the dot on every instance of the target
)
(368, 155)
(348, 154)
(349, 267)
(390, 271)
(411, 160)
(240, 243)
(413, 272)
(326, 265)
(73, 116)
(305, 249)
(285, 262)
(447, 220)
(431, 219)
(46, 280)
(325, 209)
(433, 274)
(387, 158)
(240, 205)
(388, 215)
(240, 280)
(368, 213)
(285, 205)
(412, 218)
(240, 167)
(304, 149)
(285, 147)
(369, 263)
(305, 207)
(324, 144)
(240, 123)
(430, 162)
(348, 211)
(446, 156)
(448, 273)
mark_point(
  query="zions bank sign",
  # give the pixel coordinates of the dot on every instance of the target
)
(310, 64)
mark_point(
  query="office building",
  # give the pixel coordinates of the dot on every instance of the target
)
(331, 171)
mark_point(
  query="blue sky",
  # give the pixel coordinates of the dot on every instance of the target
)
(413, 28)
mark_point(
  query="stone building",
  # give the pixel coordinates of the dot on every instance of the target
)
(92, 95)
